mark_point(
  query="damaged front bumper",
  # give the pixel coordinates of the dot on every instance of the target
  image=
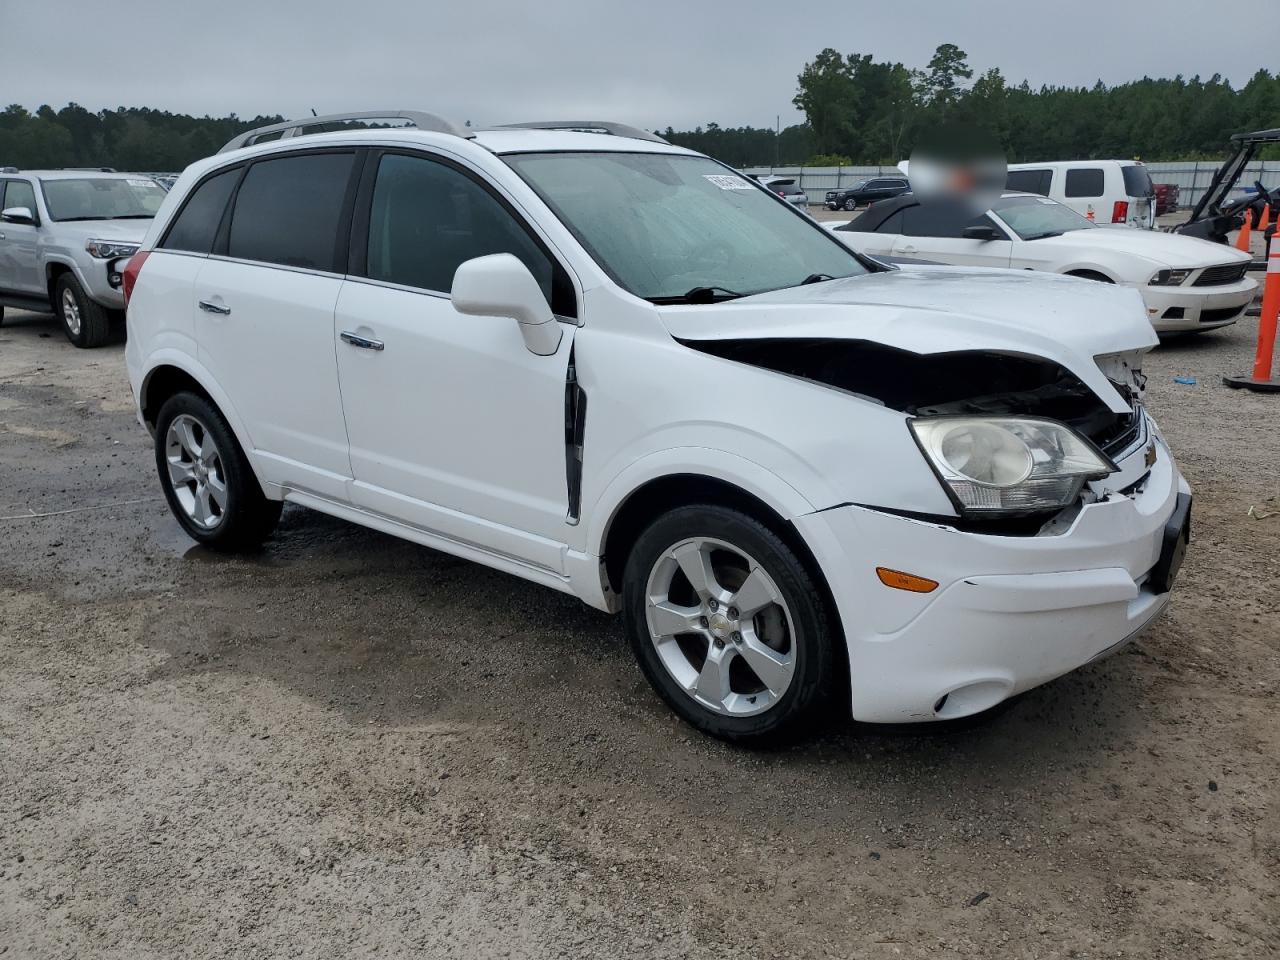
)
(1010, 612)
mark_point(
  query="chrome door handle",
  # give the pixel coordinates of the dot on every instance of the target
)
(363, 343)
(208, 306)
(1, 236)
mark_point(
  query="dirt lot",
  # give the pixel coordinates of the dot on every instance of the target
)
(350, 746)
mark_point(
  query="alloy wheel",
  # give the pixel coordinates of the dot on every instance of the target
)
(720, 627)
(196, 471)
(71, 312)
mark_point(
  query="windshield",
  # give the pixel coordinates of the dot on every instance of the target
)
(664, 226)
(1033, 218)
(102, 198)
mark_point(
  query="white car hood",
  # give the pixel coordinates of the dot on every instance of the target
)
(1169, 249)
(941, 310)
(126, 231)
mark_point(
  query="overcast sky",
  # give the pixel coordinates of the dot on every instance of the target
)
(654, 63)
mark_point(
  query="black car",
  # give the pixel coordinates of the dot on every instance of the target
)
(866, 191)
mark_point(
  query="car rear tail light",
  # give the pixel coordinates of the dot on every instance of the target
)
(131, 271)
(1120, 212)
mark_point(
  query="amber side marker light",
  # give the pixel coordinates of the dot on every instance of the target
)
(905, 581)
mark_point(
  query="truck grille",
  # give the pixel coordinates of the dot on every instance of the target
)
(1215, 276)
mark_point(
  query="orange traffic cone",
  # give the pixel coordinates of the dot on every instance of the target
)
(1242, 241)
(1265, 220)
(1261, 380)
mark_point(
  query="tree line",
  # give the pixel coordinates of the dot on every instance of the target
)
(857, 111)
(862, 111)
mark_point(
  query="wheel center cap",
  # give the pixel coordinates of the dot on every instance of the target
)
(721, 626)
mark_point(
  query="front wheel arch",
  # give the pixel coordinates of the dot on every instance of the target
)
(1097, 275)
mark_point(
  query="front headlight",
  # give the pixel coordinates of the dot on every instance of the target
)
(1009, 465)
(1169, 278)
(110, 249)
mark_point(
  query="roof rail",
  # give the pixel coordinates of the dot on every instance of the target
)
(298, 128)
(586, 126)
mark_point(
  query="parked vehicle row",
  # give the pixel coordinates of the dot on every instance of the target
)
(801, 476)
(65, 236)
(1187, 285)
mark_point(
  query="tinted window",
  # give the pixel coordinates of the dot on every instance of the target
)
(1030, 181)
(1137, 182)
(1084, 183)
(19, 193)
(940, 219)
(288, 210)
(427, 218)
(197, 224)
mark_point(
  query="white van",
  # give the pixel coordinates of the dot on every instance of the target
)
(1108, 192)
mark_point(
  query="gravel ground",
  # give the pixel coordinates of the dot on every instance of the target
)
(351, 746)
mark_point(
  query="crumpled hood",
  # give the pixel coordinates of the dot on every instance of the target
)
(940, 310)
(1168, 249)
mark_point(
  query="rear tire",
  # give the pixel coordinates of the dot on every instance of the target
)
(86, 323)
(742, 646)
(210, 486)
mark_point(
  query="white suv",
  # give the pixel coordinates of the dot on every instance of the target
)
(622, 370)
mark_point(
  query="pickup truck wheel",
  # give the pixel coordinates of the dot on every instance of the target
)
(728, 625)
(86, 324)
(851, 204)
(207, 479)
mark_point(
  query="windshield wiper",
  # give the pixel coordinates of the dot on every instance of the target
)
(135, 216)
(711, 294)
(73, 219)
(815, 278)
(1044, 236)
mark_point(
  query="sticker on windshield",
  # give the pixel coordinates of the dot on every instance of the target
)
(725, 182)
(141, 183)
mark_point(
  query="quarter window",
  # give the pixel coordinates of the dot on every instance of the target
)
(427, 218)
(1086, 182)
(288, 211)
(197, 223)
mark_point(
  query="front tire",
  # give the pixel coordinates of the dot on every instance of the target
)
(86, 323)
(851, 204)
(207, 479)
(728, 625)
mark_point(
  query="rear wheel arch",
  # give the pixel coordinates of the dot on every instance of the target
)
(161, 384)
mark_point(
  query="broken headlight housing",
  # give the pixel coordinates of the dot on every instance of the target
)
(1005, 466)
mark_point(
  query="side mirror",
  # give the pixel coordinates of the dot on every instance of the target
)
(499, 285)
(982, 232)
(17, 215)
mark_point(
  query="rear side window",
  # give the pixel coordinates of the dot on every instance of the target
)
(1030, 181)
(427, 218)
(19, 193)
(1086, 182)
(197, 223)
(288, 211)
(1137, 182)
